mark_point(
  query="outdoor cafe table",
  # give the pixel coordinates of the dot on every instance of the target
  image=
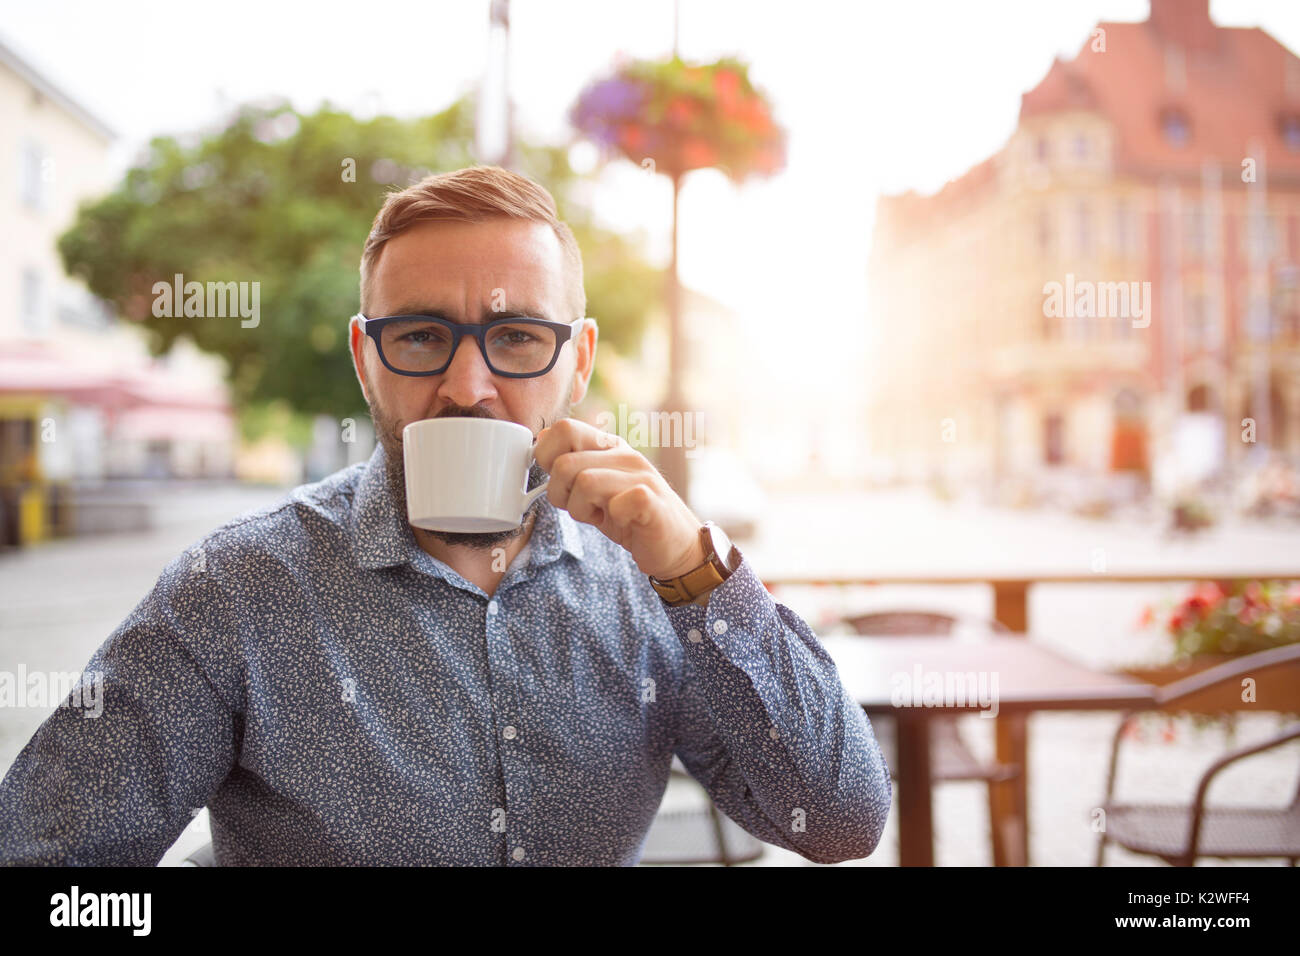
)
(1029, 678)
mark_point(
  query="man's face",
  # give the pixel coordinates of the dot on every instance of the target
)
(470, 273)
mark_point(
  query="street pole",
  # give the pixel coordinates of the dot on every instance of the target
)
(672, 454)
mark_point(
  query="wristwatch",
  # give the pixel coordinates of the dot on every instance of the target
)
(721, 558)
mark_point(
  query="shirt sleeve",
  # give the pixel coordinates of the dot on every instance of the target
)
(121, 767)
(766, 726)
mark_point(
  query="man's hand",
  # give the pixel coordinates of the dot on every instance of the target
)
(601, 480)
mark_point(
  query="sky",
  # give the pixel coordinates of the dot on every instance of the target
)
(876, 97)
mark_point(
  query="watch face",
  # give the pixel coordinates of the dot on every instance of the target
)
(722, 546)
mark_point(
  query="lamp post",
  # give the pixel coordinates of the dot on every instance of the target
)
(672, 456)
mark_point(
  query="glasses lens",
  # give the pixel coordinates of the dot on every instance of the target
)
(520, 348)
(416, 346)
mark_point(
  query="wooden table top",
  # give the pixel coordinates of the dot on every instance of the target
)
(1174, 573)
(944, 674)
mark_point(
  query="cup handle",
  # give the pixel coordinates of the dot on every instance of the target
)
(531, 496)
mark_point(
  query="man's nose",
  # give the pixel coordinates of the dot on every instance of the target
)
(467, 380)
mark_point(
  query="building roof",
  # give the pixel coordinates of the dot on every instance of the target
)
(55, 95)
(1233, 85)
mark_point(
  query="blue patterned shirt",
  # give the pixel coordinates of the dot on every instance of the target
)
(335, 695)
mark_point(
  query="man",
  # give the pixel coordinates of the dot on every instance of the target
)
(338, 687)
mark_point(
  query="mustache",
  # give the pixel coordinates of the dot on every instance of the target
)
(464, 411)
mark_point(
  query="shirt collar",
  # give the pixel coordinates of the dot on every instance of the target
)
(382, 536)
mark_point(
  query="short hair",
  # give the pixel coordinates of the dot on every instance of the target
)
(473, 194)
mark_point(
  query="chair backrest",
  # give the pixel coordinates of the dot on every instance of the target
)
(1284, 658)
(906, 622)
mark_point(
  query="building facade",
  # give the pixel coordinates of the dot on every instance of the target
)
(1111, 297)
(81, 399)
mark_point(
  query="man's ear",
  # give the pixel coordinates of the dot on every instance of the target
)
(357, 343)
(584, 346)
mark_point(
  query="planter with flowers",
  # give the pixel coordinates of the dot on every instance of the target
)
(1211, 626)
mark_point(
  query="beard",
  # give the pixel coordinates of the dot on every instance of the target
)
(389, 434)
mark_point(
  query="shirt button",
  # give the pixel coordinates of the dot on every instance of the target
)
(719, 626)
(694, 635)
(509, 733)
(518, 854)
(492, 607)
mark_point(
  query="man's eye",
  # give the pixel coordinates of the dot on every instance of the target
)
(515, 337)
(424, 337)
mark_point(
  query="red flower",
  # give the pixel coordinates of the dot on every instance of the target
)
(697, 155)
(726, 85)
(631, 138)
(1205, 597)
(682, 112)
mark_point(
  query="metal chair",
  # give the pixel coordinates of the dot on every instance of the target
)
(1180, 834)
(697, 834)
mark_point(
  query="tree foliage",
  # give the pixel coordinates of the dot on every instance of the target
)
(268, 199)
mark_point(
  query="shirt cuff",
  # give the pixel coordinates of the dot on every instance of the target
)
(740, 603)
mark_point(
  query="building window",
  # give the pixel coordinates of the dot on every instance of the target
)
(1054, 439)
(1176, 127)
(1201, 398)
(75, 306)
(1258, 319)
(1286, 304)
(34, 170)
(32, 307)
(1123, 228)
(1261, 237)
(1041, 149)
(1197, 324)
(1080, 146)
(1044, 232)
(1051, 327)
(1289, 127)
(1194, 234)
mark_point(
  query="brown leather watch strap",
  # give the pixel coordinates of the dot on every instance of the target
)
(697, 581)
(689, 586)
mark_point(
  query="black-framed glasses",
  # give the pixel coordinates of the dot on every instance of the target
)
(514, 346)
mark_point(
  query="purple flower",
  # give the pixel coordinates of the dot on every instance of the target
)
(609, 101)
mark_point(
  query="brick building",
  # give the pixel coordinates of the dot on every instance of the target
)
(1018, 342)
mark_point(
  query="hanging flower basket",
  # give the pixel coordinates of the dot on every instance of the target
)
(682, 117)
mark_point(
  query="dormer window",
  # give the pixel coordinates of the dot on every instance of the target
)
(1289, 126)
(1041, 149)
(1176, 127)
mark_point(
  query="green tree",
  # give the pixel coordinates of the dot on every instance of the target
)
(269, 199)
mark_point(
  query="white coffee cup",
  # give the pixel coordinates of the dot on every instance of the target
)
(467, 474)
